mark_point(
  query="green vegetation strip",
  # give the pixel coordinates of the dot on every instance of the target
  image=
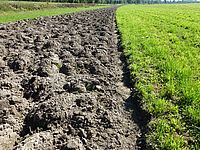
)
(34, 10)
(163, 45)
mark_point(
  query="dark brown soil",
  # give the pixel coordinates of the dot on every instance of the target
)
(62, 85)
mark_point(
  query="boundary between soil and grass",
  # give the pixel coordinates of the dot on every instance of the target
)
(140, 116)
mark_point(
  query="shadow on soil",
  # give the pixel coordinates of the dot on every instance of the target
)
(139, 115)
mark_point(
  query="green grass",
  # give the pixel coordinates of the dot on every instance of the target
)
(14, 16)
(163, 46)
(13, 11)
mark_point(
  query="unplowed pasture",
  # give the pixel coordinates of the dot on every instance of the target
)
(163, 46)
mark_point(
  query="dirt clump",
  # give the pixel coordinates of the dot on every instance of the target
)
(61, 84)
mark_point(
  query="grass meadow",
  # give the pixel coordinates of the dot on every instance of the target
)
(13, 11)
(162, 43)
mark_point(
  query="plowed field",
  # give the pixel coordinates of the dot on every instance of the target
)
(63, 85)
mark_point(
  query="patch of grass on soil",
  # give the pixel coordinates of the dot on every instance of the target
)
(162, 43)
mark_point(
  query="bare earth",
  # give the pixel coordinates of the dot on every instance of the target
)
(62, 85)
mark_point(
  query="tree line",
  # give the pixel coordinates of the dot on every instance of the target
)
(116, 1)
(85, 1)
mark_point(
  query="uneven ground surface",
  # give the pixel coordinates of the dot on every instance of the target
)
(62, 84)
